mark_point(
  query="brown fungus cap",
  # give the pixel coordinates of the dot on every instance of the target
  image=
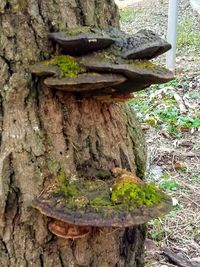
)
(71, 76)
(124, 175)
(99, 204)
(116, 73)
(139, 74)
(68, 231)
(82, 40)
(85, 82)
(145, 44)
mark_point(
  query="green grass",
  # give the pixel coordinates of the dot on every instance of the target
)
(197, 146)
(169, 185)
(161, 110)
(157, 229)
(188, 37)
(128, 14)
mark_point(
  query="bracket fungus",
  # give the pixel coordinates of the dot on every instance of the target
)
(105, 62)
(139, 74)
(145, 44)
(82, 40)
(43, 70)
(68, 231)
(122, 201)
(109, 65)
(85, 82)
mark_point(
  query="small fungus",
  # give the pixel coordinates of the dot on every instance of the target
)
(123, 175)
(68, 231)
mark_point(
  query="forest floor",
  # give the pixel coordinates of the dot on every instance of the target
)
(170, 117)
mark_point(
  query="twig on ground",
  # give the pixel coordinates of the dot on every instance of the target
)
(180, 102)
(179, 260)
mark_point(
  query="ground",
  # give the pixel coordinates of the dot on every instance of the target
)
(170, 117)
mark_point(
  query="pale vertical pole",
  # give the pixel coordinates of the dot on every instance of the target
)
(172, 33)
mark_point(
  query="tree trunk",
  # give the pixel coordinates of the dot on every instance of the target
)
(44, 132)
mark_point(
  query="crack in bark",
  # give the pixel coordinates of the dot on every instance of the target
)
(39, 2)
(9, 67)
(7, 5)
(61, 260)
(41, 259)
(12, 208)
(37, 87)
(97, 14)
(139, 152)
(34, 33)
(38, 123)
(5, 249)
(124, 160)
(81, 14)
(1, 119)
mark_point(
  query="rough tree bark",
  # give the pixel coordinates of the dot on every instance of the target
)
(44, 132)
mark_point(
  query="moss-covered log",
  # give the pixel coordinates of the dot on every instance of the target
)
(45, 132)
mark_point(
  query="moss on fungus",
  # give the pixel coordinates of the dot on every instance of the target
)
(135, 194)
(94, 202)
(96, 194)
(148, 65)
(69, 65)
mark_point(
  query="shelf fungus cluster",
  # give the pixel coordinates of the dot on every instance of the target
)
(104, 63)
(123, 200)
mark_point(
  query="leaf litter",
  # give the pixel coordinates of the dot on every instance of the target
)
(170, 117)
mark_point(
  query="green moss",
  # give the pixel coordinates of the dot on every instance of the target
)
(145, 64)
(66, 189)
(134, 194)
(101, 201)
(96, 194)
(69, 65)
